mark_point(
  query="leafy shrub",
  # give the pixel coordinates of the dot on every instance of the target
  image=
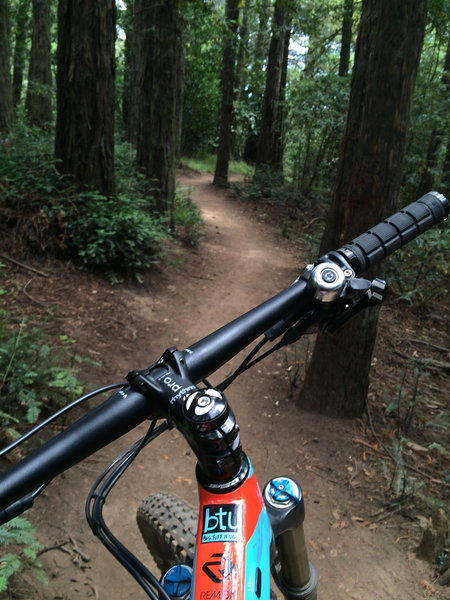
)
(42, 212)
(420, 272)
(32, 378)
(315, 122)
(29, 184)
(188, 218)
(268, 183)
(27, 166)
(113, 233)
(19, 535)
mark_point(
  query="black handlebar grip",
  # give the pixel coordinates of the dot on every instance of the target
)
(396, 231)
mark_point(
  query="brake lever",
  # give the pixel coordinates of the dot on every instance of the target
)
(367, 293)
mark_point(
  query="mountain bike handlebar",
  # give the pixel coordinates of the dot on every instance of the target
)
(127, 408)
(371, 247)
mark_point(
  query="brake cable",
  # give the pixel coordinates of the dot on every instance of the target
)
(57, 414)
(94, 514)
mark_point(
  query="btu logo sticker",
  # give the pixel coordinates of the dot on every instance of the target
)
(221, 523)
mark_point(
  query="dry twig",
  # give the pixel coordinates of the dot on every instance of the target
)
(23, 266)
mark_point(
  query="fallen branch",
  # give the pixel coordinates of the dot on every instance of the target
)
(435, 346)
(56, 546)
(24, 290)
(23, 266)
(427, 362)
(308, 225)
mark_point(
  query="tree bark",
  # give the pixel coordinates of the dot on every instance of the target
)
(227, 87)
(367, 184)
(270, 142)
(6, 105)
(39, 93)
(262, 44)
(130, 94)
(437, 135)
(242, 50)
(84, 141)
(20, 42)
(240, 80)
(346, 38)
(161, 93)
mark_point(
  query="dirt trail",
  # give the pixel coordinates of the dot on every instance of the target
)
(241, 262)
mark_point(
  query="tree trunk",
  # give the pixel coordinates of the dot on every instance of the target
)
(262, 43)
(6, 109)
(367, 184)
(263, 35)
(270, 142)
(240, 79)
(346, 38)
(84, 143)
(427, 179)
(130, 94)
(20, 46)
(446, 168)
(242, 50)
(437, 135)
(227, 87)
(39, 93)
(160, 105)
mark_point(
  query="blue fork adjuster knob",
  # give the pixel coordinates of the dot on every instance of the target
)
(177, 581)
(284, 503)
(282, 492)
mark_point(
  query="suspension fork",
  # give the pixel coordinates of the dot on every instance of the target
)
(295, 576)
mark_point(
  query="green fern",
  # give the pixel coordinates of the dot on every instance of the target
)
(37, 374)
(20, 535)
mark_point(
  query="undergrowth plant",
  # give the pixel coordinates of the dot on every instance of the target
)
(18, 536)
(188, 218)
(37, 374)
(42, 212)
(207, 163)
(114, 234)
(420, 273)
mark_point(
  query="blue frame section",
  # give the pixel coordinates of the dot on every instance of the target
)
(257, 561)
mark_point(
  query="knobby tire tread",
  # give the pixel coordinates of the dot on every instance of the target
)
(168, 526)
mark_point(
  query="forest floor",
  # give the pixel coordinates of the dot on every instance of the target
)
(362, 539)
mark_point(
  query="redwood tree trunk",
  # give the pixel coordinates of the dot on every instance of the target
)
(84, 142)
(39, 94)
(437, 135)
(227, 87)
(368, 181)
(270, 142)
(20, 47)
(160, 105)
(5, 73)
(346, 38)
(133, 52)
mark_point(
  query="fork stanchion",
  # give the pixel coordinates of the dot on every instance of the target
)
(295, 576)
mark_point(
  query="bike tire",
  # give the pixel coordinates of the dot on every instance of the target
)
(168, 526)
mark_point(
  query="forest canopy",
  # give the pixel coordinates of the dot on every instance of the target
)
(311, 73)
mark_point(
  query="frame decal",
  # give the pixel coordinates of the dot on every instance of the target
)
(219, 567)
(222, 523)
